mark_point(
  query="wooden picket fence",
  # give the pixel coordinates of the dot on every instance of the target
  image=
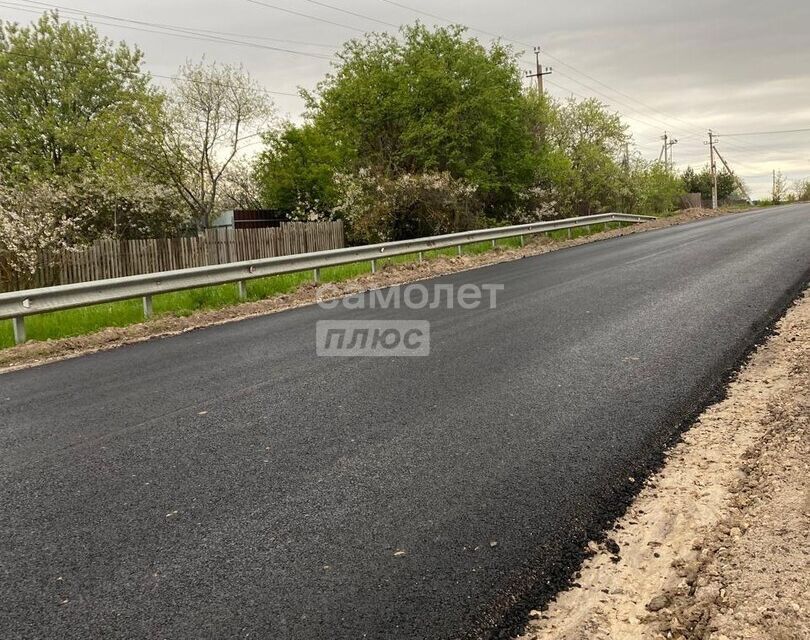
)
(110, 258)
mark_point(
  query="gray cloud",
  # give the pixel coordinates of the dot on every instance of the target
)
(734, 66)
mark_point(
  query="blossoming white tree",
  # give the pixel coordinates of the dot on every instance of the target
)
(33, 225)
(380, 208)
(213, 114)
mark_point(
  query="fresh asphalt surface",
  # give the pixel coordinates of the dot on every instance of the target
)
(228, 483)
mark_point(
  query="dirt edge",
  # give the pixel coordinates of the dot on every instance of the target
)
(715, 544)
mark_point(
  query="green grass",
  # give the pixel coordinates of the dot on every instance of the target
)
(580, 232)
(84, 320)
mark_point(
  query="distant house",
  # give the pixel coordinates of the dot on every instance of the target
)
(250, 219)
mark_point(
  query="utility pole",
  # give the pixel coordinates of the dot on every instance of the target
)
(539, 73)
(663, 153)
(666, 151)
(740, 185)
(713, 167)
(672, 142)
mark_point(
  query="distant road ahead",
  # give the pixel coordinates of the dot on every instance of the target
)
(227, 483)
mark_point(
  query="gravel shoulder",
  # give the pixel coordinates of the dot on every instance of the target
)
(39, 352)
(716, 544)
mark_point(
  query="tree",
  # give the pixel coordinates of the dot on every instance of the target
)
(694, 182)
(33, 223)
(801, 189)
(213, 113)
(430, 101)
(381, 208)
(436, 103)
(71, 102)
(75, 110)
(655, 189)
(589, 141)
(297, 169)
(780, 188)
(239, 186)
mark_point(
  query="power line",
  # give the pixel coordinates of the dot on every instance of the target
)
(217, 36)
(151, 73)
(431, 15)
(692, 128)
(500, 37)
(353, 13)
(643, 121)
(570, 91)
(181, 32)
(547, 53)
(694, 133)
(190, 29)
(188, 33)
(390, 24)
(766, 133)
(625, 105)
(304, 15)
(621, 93)
(632, 117)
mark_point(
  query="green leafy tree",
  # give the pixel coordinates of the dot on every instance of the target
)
(296, 171)
(655, 189)
(75, 112)
(435, 103)
(71, 102)
(588, 142)
(430, 101)
(694, 182)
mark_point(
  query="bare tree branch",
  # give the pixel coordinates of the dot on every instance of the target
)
(207, 118)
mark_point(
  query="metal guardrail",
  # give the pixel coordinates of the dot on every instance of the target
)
(18, 304)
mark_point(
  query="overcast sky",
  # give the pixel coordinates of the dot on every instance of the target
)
(733, 66)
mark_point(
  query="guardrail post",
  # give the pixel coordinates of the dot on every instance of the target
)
(421, 257)
(569, 233)
(458, 250)
(373, 266)
(522, 241)
(606, 226)
(241, 285)
(316, 276)
(588, 229)
(19, 329)
(493, 243)
(147, 306)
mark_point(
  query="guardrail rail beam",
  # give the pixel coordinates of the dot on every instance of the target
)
(18, 304)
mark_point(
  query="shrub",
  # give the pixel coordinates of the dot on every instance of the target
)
(379, 208)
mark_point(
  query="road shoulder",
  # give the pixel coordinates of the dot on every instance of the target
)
(716, 543)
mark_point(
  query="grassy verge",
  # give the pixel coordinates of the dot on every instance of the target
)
(85, 320)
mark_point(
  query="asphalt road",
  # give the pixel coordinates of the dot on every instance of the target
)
(228, 483)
